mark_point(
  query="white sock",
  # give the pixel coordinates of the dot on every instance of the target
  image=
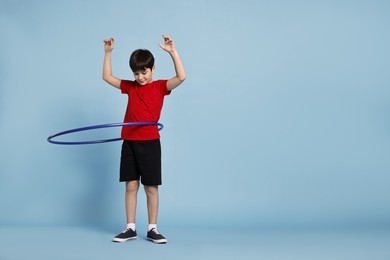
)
(151, 226)
(131, 225)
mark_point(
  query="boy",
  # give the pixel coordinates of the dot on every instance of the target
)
(141, 149)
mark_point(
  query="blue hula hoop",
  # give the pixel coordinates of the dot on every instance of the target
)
(87, 128)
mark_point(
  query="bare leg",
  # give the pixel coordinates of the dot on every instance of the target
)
(152, 202)
(131, 200)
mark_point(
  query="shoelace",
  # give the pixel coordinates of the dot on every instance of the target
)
(126, 230)
(155, 231)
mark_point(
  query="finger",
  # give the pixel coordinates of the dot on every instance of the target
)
(108, 41)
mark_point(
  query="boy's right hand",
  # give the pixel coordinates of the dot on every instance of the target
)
(108, 44)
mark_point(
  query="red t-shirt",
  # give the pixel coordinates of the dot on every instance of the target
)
(144, 105)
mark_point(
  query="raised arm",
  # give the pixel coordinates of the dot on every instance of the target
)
(107, 70)
(169, 46)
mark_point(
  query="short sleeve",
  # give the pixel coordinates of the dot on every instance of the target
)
(125, 85)
(163, 87)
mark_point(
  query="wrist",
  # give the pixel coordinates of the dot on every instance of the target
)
(173, 52)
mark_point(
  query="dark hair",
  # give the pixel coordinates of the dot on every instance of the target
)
(141, 59)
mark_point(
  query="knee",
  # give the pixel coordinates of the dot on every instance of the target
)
(151, 190)
(132, 186)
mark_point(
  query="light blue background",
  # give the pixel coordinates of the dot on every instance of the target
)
(283, 120)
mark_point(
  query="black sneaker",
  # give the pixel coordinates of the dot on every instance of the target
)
(126, 234)
(154, 236)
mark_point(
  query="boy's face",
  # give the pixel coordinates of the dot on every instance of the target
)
(144, 77)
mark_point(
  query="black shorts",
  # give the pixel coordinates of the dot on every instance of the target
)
(141, 160)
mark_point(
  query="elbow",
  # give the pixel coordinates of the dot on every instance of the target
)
(105, 78)
(182, 77)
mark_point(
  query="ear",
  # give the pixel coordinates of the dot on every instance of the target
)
(153, 68)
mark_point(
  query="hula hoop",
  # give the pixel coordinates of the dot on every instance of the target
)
(87, 128)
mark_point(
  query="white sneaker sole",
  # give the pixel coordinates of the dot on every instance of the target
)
(121, 240)
(157, 241)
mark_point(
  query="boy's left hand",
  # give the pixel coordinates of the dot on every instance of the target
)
(169, 44)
